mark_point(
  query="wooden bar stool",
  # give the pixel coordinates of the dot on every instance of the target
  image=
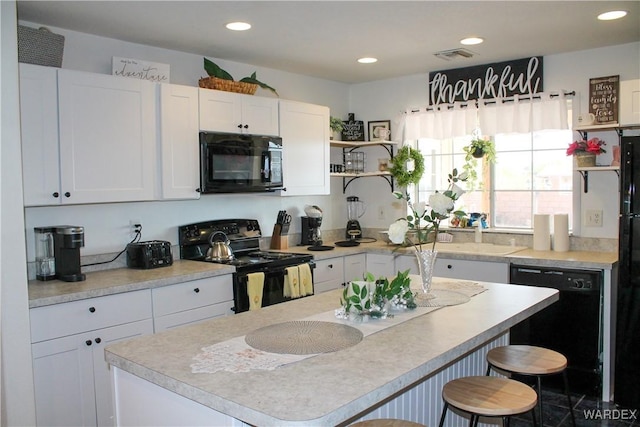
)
(383, 422)
(488, 397)
(531, 361)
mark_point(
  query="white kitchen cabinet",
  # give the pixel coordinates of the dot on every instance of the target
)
(355, 266)
(629, 102)
(179, 142)
(71, 378)
(381, 265)
(107, 138)
(192, 302)
(39, 127)
(328, 274)
(485, 271)
(222, 111)
(304, 129)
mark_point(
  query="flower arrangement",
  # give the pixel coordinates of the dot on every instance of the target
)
(442, 205)
(591, 146)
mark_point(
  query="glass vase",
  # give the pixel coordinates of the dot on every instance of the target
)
(426, 262)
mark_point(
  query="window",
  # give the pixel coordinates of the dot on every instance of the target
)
(532, 174)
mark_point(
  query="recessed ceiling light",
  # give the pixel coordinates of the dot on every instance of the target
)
(614, 14)
(238, 26)
(471, 41)
(367, 60)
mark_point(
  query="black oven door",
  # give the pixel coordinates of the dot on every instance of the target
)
(239, 163)
(273, 291)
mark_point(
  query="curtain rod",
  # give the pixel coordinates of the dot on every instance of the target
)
(493, 101)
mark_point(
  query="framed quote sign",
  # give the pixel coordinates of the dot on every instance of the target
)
(603, 99)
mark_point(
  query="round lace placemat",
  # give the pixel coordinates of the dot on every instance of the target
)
(442, 297)
(303, 337)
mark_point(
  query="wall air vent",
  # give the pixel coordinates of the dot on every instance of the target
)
(451, 54)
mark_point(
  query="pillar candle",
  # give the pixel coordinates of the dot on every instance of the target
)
(541, 233)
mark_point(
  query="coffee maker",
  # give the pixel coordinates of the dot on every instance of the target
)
(355, 209)
(311, 231)
(68, 239)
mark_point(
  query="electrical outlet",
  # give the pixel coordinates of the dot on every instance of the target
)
(593, 218)
(381, 213)
(135, 226)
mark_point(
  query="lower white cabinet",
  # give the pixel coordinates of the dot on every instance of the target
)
(381, 265)
(191, 302)
(71, 378)
(485, 271)
(355, 266)
(328, 274)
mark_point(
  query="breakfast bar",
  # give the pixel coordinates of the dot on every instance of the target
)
(397, 372)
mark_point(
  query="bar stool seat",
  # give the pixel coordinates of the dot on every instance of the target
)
(489, 397)
(532, 361)
(386, 423)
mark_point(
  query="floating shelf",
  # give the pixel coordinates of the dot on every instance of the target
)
(585, 173)
(348, 146)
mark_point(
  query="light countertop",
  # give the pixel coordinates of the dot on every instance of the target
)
(330, 388)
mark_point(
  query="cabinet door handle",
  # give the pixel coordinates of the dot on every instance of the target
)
(88, 342)
(240, 126)
(56, 194)
(98, 340)
(330, 265)
(67, 194)
(196, 290)
(246, 126)
(449, 266)
(92, 309)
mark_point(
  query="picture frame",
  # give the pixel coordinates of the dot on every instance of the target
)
(375, 127)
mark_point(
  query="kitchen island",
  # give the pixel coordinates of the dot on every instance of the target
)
(397, 372)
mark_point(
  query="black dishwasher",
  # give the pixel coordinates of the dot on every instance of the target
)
(572, 326)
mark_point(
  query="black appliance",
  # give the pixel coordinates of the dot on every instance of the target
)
(571, 326)
(244, 238)
(234, 163)
(627, 367)
(67, 241)
(150, 254)
(355, 209)
(311, 234)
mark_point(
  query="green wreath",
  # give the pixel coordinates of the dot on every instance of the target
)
(399, 164)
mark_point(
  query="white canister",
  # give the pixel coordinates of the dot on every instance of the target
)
(541, 232)
(561, 232)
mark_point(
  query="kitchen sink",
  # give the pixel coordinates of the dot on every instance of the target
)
(477, 248)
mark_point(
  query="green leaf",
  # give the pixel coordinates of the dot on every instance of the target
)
(369, 277)
(363, 293)
(254, 80)
(356, 288)
(213, 70)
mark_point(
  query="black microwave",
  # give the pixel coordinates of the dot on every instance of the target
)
(237, 163)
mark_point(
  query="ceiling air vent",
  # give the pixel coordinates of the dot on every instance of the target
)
(449, 55)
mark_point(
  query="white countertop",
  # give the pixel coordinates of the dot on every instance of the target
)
(330, 388)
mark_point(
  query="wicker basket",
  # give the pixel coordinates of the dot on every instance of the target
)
(40, 46)
(227, 85)
(586, 160)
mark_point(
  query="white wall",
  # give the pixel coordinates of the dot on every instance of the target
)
(17, 403)
(383, 100)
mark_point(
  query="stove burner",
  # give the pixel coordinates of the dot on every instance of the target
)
(270, 255)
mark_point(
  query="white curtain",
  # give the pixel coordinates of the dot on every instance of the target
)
(523, 116)
(441, 122)
(511, 115)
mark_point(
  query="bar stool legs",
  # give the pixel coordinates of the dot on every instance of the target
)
(531, 361)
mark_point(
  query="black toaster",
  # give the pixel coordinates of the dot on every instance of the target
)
(150, 254)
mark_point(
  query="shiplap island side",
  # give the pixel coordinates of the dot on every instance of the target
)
(394, 373)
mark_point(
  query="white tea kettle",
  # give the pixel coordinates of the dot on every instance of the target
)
(220, 250)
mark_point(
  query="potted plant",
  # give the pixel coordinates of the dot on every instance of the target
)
(477, 149)
(335, 124)
(585, 152)
(221, 80)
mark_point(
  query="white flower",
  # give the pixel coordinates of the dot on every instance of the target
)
(398, 230)
(421, 207)
(440, 203)
(455, 189)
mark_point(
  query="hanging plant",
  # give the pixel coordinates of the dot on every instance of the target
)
(477, 149)
(399, 169)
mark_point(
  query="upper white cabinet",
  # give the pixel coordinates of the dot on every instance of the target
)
(39, 127)
(179, 143)
(304, 129)
(629, 102)
(107, 138)
(238, 113)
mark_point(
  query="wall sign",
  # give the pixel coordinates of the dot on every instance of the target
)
(499, 80)
(352, 129)
(137, 69)
(603, 99)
